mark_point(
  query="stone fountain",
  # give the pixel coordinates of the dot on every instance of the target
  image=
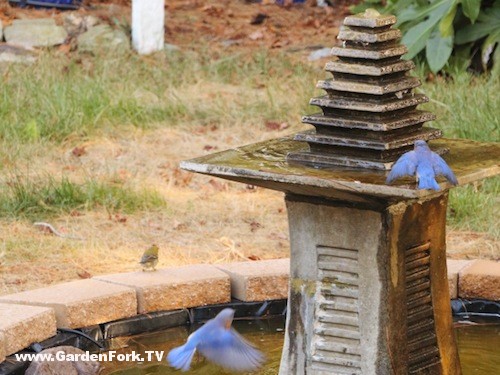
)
(368, 289)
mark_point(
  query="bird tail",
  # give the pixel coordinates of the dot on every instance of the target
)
(181, 357)
(428, 182)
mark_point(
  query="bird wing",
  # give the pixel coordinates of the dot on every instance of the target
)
(441, 168)
(148, 258)
(406, 165)
(228, 349)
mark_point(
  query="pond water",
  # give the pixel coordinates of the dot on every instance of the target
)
(479, 349)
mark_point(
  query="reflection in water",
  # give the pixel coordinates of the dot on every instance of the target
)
(479, 348)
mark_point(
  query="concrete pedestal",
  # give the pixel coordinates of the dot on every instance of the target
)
(369, 289)
(148, 25)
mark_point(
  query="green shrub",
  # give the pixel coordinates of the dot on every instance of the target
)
(446, 31)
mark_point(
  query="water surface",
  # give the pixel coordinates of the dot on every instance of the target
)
(479, 349)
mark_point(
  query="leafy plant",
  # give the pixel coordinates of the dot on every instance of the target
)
(446, 30)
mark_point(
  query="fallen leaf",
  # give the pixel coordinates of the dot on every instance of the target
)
(258, 18)
(179, 226)
(254, 225)
(83, 274)
(274, 125)
(219, 186)
(79, 151)
(65, 48)
(120, 219)
(254, 257)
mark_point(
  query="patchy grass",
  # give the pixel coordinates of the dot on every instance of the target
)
(475, 207)
(136, 118)
(61, 98)
(467, 107)
(24, 196)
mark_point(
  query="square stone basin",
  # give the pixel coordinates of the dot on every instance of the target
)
(264, 164)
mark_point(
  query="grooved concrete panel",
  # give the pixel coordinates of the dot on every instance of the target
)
(454, 267)
(81, 303)
(260, 280)
(175, 287)
(23, 325)
(480, 280)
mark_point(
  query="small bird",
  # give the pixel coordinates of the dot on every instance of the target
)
(149, 259)
(219, 343)
(423, 163)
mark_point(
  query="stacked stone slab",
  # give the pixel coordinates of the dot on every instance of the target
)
(370, 115)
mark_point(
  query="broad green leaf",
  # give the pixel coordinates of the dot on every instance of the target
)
(416, 37)
(446, 24)
(495, 71)
(438, 50)
(491, 15)
(460, 58)
(488, 47)
(471, 9)
(434, 10)
(471, 33)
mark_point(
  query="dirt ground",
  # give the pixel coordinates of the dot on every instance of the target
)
(207, 220)
(235, 23)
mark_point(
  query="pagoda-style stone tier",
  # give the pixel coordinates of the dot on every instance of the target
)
(369, 113)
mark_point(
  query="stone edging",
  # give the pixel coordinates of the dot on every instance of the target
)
(107, 298)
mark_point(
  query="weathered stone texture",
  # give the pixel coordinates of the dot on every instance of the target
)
(78, 367)
(2, 347)
(23, 325)
(454, 267)
(103, 38)
(35, 33)
(175, 287)
(481, 279)
(260, 280)
(81, 303)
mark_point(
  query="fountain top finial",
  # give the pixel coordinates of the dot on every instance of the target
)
(370, 18)
(371, 13)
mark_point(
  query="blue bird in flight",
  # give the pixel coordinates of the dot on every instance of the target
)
(219, 343)
(423, 163)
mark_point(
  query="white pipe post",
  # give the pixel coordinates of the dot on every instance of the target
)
(148, 25)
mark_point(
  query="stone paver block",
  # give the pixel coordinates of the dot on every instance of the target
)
(454, 267)
(259, 280)
(2, 347)
(23, 325)
(481, 279)
(175, 287)
(81, 303)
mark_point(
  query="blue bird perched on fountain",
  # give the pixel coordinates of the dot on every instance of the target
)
(219, 343)
(424, 164)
